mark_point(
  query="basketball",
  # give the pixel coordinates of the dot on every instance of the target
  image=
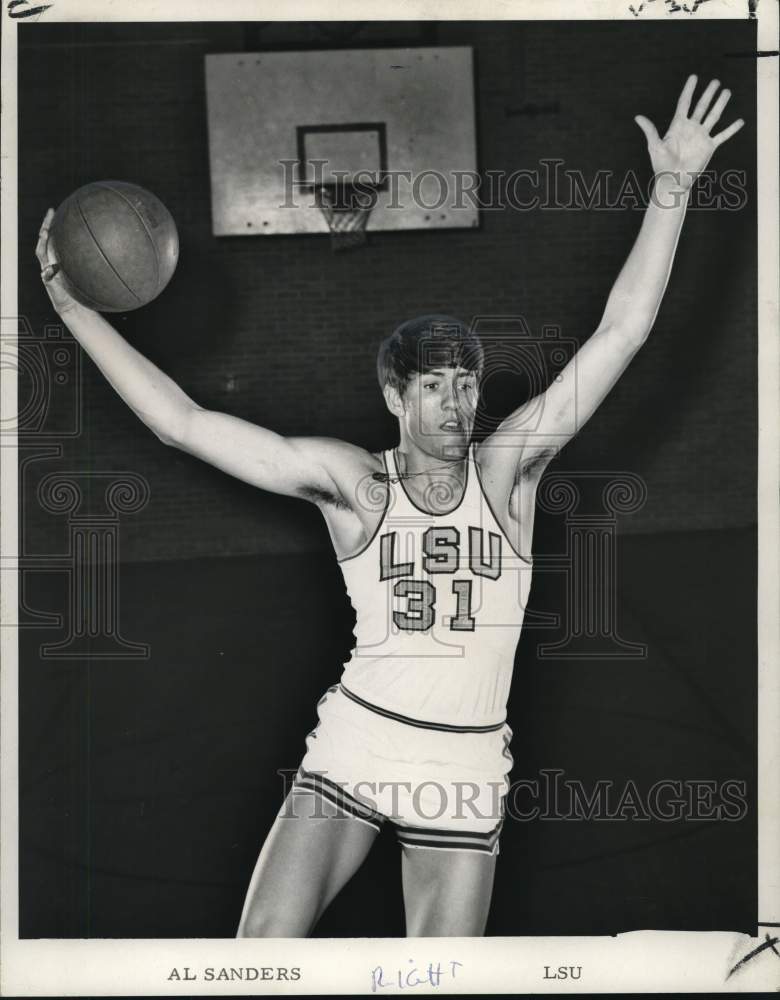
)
(117, 245)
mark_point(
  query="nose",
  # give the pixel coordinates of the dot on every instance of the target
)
(449, 400)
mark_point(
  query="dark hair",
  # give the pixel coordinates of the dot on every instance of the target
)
(422, 344)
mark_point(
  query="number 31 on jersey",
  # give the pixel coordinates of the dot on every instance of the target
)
(441, 555)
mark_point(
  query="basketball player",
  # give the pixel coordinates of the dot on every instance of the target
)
(434, 541)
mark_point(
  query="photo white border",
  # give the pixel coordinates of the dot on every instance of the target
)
(636, 962)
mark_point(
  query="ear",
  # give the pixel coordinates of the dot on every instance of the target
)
(394, 400)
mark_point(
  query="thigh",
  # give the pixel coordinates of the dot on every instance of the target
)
(310, 853)
(447, 893)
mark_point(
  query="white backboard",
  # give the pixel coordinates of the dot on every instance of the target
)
(407, 111)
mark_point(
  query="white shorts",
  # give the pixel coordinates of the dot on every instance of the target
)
(438, 788)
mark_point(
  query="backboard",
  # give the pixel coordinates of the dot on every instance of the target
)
(279, 122)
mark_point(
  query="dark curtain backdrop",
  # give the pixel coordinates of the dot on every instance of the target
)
(147, 785)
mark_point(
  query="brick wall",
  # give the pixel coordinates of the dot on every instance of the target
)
(283, 332)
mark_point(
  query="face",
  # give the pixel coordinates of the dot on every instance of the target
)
(437, 411)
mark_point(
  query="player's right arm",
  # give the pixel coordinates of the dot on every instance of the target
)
(307, 467)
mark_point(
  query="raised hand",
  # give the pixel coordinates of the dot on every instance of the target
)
(686, 148)
(51, 274)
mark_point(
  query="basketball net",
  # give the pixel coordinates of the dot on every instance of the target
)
(346, 212)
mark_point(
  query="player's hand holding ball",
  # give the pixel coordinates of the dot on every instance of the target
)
(51, 272)
(110, 246)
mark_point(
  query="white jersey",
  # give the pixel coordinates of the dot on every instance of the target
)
(439, 600)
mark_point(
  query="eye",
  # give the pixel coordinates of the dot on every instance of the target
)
(430, 385)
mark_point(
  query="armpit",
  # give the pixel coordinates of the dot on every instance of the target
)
(536, 463)
(323, 496)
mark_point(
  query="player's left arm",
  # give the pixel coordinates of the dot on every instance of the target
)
(635, 298)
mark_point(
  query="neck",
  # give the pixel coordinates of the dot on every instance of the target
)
(414, 462)
(435, 485)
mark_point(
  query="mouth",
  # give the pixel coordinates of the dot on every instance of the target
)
(452, 427)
